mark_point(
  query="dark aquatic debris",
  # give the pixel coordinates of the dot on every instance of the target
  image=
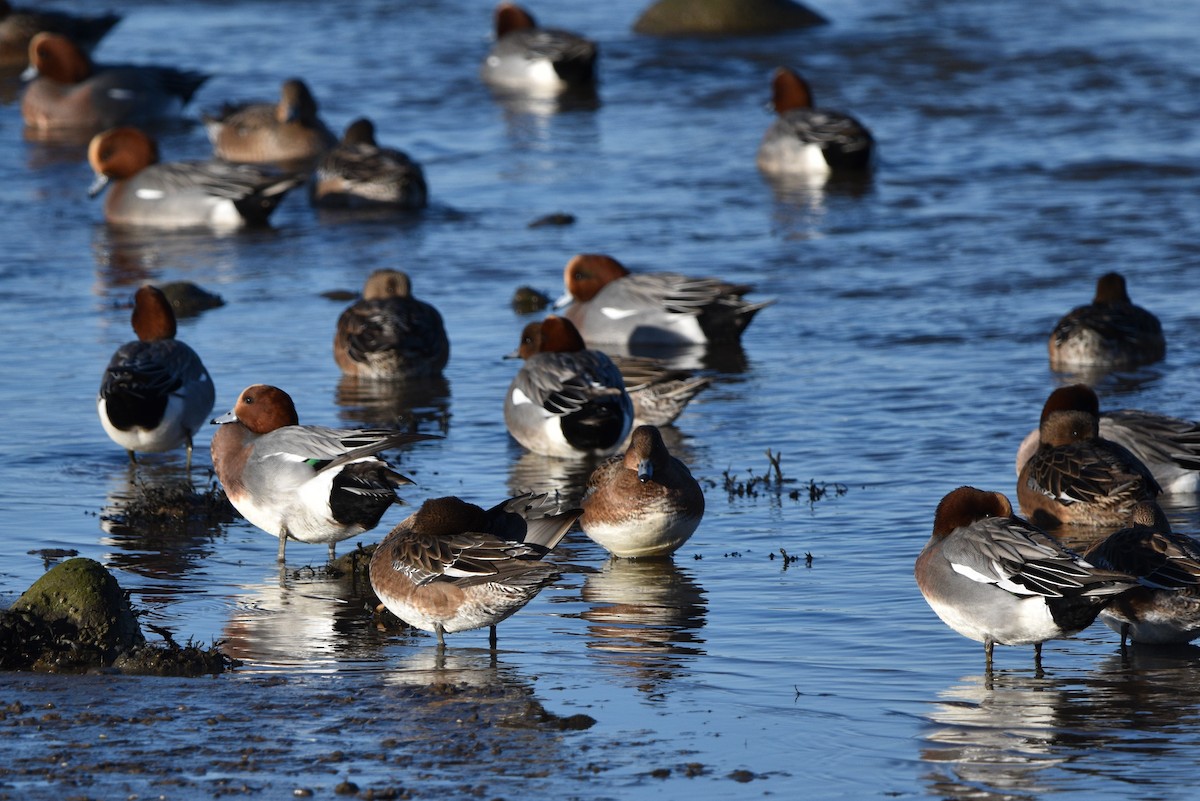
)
(557, 218)
(527, 300)
(76, 618)
(774, 483)
(172, 507)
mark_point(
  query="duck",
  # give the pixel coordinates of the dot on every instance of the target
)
(1168, 446)
(18, 25)
(612, 306)
(807, 141)
(306, 483)
(155, 392)
(358, 173)
(452, 566)
(389, 334)
(1109, 333)
(288, 132)
(643, 502)
(1077, 478)
(565, 401)
(70, 95)
(528, 58)
(996, 578)
(1165, 608)
(143, 191)
(659, 392)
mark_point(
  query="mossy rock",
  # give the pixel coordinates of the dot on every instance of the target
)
(81, 593)
(724, 17)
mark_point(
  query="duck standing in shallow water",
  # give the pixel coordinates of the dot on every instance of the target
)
(1108, 333)
(1168, 446)
(389, 334)
(543, 61)
(307, 483)
(612, 306)
(995, 578)
(566, 400)
(1075, 477)
(1165, 610)
(72, 95)
(643, 502)
(806, 141)
(359, 174)
(143, 191)
(451, 566)
(155, 393)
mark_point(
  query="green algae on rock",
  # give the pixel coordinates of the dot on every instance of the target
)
(724, 17)
(76, 618)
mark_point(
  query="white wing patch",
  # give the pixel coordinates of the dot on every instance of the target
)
(150, 194)
(617, 314)
(519, 398)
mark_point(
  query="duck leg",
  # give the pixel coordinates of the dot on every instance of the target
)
(283, 535)
(492, 636)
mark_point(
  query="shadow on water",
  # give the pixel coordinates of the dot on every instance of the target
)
(414, 405)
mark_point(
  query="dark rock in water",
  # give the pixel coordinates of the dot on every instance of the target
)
(527, 300)
(557, 218)
(724, 17)
(76, 618)
(81, 597)
(188, 299)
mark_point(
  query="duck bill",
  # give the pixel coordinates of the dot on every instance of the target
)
(565, 300)
(98, 185)
(228, 417)
(645, 470)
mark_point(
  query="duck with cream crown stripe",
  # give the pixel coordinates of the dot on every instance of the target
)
(566, 400)
(155, 393)
(307, 483)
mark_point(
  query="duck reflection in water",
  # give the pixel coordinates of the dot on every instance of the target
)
(415, 404)
(645, 615)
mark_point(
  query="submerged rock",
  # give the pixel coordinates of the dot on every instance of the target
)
(188, 299)
(76, 618)
(724, 17)
(527, 300)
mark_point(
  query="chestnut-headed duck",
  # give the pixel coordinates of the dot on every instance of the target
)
(288, 132)
(1165, 610)
(390, 334)
(452, 566)
(996, 578)
(181, 194)
(306, 483)
(566, 400)
(1076, 478)
(155, 393)
(70, 95)
(643, 502)
(808, 141)
(1108, 333)
(1168, 446)
(612, 306)
(357, 173)
(544, 61)
(19, 25)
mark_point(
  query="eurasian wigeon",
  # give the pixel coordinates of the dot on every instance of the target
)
(995, 578)
(357, 173)
(72, 96)
(527, 58)
(390, 334)
(612, 306)
(1165, 609)
(19, 25)
(643, 502)
(180, 194)
(289, 131)
(1169, 447)
(452, 566)
(1108, 333)
(155, 393)
(306, 483)
(566, 400)
(1075, 477)
(808, 141)
(659, 392)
